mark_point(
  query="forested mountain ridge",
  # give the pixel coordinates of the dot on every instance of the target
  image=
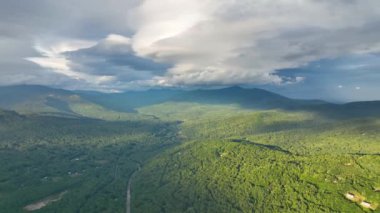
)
(40, 99)
(224, 150)
(35, 99)
(31, 98)
(248, 98)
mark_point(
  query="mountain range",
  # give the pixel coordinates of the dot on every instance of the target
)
(35, 99)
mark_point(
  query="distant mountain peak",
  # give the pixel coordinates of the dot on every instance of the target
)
(234, 88)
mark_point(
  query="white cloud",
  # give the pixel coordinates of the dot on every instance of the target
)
(233, 42)
(54, 59)
(114, 42)
(108, 64)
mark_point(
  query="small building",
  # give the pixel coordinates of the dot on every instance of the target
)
(368, 205)
(350, 196)
(365, 204)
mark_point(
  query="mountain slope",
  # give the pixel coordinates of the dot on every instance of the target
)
(40, 99)
(6, 116)
(36, 99)
(234, 150)
(31, 99)
(246, 98)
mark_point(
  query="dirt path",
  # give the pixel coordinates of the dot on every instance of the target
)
(44, 202)
(128, 204)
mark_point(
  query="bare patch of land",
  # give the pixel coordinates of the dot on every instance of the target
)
(44, 202)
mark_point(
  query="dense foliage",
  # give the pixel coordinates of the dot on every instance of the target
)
(266, 161)
(90, 159)
(194, 151)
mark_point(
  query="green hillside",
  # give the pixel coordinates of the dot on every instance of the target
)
(242, 98)
(269, 161)
(86, 161)
(247, 98)
(30, 99)
(56, 102)
(228, 150)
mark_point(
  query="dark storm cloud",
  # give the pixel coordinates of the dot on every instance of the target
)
(105, 60)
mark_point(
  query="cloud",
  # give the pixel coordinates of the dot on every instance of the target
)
(110, 62)
(53, 59)
(115, 51)
(90, 44)
(40, 23)
(237, 42)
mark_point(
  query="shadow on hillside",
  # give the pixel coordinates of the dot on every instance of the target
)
(255, 99)
(91, 159)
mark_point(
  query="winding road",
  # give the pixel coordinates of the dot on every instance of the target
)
(128, 203)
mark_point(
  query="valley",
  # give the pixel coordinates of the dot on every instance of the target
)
(178, 106)
(193, 151)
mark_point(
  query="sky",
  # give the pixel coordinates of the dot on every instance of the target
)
(326, 49)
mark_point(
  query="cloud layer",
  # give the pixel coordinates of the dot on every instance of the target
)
(238, 42)
(129, 44)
